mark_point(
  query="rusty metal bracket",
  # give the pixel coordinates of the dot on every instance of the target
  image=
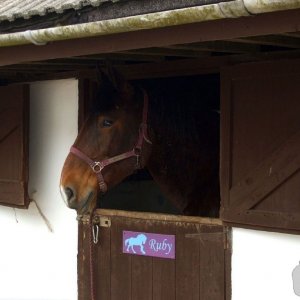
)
(104, 222)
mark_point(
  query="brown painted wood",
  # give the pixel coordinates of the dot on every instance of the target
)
(121, 266)
(141, 268)
(276, 40)
(159, 217)
(163, 270)
(272, 23)
(14, 151)
(203, 65)
(212, 266)
(263, 179)
(198, 272)
(103, 263)
(83, 265)
(260, 145)
(187, 263)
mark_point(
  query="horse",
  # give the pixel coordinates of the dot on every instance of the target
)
(139, 240)
(165, 126)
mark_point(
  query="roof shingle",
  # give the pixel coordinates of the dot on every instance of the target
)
(13, 9)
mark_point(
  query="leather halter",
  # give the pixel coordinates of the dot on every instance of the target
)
(98, 166)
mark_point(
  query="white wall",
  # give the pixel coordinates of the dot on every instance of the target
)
(35, 263)
(262, 265)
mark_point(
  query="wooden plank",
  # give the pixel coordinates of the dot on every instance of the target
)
(141, 276)
(167, 52)
(83, 265)
(264, 178)
(187, 262)
(212, 263)
(163, 279)
(102, 263)
(272, 40)
(164, 276)
(121, 282)
(156, 217)
(272, 23)
(225, 138)
(264, 220)
(220, 46)
(227, 260)
(204, 65)
(141, 266)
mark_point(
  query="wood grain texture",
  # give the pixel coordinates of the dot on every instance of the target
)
(260, 160)
(14, 145)
(201, 269)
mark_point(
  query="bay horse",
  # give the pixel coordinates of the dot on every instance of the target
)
(168, 126)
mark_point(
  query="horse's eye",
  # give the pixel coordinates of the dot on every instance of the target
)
(107, 123)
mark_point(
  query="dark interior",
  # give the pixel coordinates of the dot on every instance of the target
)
(139, 192)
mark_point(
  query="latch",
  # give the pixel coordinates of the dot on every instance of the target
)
(102, 221)
(97, 223)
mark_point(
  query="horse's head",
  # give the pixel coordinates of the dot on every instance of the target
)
(115, 126)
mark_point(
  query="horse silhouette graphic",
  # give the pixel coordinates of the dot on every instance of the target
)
(139, 240)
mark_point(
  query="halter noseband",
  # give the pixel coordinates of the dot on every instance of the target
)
(98, 166)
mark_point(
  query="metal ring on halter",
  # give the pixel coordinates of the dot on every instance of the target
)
(97, 167)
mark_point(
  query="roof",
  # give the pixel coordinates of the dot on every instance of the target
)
(13, 9)
(22, 10)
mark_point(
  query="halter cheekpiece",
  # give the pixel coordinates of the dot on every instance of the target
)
(98, 166)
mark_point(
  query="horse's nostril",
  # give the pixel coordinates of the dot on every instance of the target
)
(69, 196)
(69, 193)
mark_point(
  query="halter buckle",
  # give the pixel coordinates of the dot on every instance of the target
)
(137, 152)
(97, 167)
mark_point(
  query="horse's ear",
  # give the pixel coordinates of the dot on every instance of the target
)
(109, 76)
(115, 77)
(119, 82)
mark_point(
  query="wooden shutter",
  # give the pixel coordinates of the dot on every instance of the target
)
(260, 145)
(14, 113)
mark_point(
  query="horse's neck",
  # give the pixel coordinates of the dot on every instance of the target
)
(193, 191)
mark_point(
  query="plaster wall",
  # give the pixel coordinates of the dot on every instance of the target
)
(38, 254)
(262, 265)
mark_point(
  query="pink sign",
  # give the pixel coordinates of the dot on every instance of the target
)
(149, 244)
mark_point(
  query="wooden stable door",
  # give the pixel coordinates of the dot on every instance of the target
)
(200, 270)
(260, 145)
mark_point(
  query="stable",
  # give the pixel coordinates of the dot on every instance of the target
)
(248, 53)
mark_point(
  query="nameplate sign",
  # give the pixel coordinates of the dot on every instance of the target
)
(149, 244)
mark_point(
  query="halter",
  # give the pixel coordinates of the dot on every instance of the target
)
(98, 166)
